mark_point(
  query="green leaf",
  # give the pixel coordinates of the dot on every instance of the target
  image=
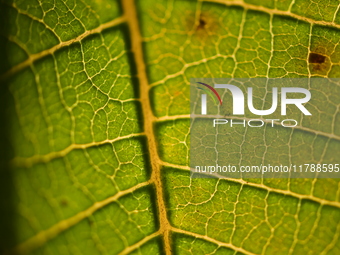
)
(95, 134)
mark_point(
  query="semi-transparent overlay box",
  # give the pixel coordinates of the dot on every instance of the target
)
(265, 128)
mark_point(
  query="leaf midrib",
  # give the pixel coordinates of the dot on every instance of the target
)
(129, 9)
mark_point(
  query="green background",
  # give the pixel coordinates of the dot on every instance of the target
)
(95, 136)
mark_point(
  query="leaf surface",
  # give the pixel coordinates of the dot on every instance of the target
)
(97, 104)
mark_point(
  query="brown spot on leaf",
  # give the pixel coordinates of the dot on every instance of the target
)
(201, 23)
(319, 58)
(64, 203)
(202, 26)
(319, 62)
(316, 58)
(90, 222)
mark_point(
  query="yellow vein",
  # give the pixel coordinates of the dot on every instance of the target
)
(334, 242)
(42, 237)
(36, 159)
(136, 39)
(137, 245)
(34, 57)
(268, 121)
(212, 240)
(266, 188)
(186, 66)
(274, 11)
